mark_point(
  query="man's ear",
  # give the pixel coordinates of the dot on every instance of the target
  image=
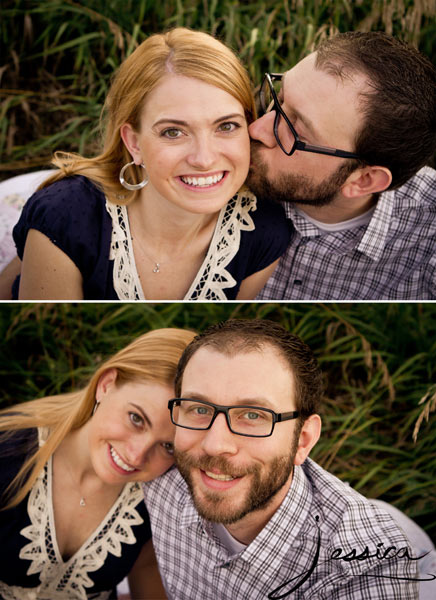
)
(130, 139)
(105, 384)
(367, 181)
(309, 435)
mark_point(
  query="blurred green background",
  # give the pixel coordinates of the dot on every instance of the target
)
(379, 361)
(57, 56)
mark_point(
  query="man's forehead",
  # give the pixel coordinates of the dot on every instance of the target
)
(237, 353)
(257, 375)
(328, 105)
(310, 59)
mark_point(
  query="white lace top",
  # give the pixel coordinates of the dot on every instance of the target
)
(69, 580)
(212, 278)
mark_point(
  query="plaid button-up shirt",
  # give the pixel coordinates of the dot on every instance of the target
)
(393, 257)
(319, 512)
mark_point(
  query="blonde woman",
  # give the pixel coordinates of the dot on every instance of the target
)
(162, 212)
(73, 522)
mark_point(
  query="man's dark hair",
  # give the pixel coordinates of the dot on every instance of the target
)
(399, 109)
(239, 335)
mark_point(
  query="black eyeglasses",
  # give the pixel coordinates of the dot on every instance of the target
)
(250, 421)
(288, 139)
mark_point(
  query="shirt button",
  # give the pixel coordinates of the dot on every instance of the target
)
(297, 282)
(226, 565)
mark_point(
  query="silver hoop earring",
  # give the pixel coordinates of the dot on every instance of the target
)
(132, 186)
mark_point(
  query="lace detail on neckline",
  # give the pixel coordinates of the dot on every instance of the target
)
(212, 278)
(125, 276)
(69, 580)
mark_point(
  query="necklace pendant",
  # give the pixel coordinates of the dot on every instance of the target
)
(156, 268)
(82, 502)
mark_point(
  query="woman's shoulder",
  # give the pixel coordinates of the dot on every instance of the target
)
(76, 193)
(15, 447)
(271, 212)
(266, 220)
(71, 212)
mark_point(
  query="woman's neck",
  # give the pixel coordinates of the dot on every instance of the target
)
(73, 455)
(167, 228)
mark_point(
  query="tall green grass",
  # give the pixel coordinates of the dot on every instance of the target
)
(57, 56)
(379, 362)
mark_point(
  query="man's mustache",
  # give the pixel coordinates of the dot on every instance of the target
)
(207, 463)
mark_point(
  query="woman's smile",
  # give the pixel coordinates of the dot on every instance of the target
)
(118, 462)
(203, 182)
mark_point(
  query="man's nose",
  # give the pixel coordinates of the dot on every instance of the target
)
(219, 439)
(262, 129)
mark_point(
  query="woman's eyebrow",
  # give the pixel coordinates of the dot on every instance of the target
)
(232, 116)
(139, 409)
(186, 124)
(170, 120)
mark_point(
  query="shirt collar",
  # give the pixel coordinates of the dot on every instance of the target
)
(374, 239)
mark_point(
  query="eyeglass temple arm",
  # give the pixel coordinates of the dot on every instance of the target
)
(299, 145)
(287, 416)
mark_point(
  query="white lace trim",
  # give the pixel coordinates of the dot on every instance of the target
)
(69, 580)
(212, 278)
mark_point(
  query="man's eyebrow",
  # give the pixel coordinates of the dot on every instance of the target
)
(186, 124)
(139, 409)
(259, 402)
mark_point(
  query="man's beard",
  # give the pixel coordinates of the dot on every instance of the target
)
(218, 507)
(288, 187)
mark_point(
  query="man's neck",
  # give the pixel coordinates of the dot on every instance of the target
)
(340, 209)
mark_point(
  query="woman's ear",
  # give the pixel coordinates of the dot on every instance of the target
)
(309, 435)
(105, 384)
(130, 139)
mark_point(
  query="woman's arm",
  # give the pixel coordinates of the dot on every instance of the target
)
(144, 579)
(252, 285)
(47, 273)
(7, 278)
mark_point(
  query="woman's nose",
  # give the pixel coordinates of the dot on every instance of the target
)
(137, 450)
(203, 154)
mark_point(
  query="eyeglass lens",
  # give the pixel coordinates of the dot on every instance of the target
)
(285, 136)
(248, 421)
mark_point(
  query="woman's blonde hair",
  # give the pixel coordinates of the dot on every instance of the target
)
(179, 51)
(152, 357)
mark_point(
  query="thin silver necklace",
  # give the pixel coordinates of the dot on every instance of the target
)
(156, 268)
(82, 501)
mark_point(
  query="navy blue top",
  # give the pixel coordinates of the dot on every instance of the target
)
(13, 570)
(72, 214)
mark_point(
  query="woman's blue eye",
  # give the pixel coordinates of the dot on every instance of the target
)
(172, 133)
(169, 447)
(136, 419)
(229, 127)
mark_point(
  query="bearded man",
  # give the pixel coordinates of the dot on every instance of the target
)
(343, 144)
(248, 514)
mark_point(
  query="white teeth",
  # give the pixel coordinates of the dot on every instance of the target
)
(202, 181)
(119, 462)
(219, 477)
